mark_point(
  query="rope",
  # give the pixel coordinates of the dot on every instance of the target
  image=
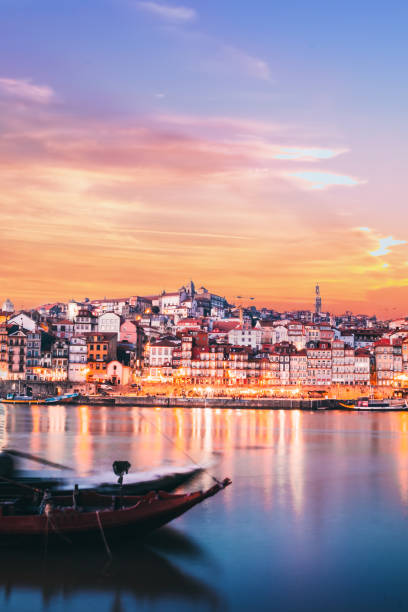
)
(108, 550)
(22, 486)
(142, 416)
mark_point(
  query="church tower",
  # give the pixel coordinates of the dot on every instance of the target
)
(318, 301)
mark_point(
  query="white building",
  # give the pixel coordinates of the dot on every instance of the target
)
(242, 336)
(280, 334)
(109, 322)
(8, 306)
(23, 321)
(77, 359)
(73, 309)
(118, 373)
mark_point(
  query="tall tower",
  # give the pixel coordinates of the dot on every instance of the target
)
(318, 301)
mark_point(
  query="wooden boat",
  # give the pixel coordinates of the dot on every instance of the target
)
(89, 516)
(372, 404)
(13, 398)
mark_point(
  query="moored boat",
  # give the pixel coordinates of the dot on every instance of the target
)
(14, 398)
(373, 404)
(89, 515)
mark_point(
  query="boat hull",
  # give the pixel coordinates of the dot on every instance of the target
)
(64, 525)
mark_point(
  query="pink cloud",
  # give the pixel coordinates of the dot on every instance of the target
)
(24, 89)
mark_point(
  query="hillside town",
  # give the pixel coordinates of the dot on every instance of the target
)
(192, 339)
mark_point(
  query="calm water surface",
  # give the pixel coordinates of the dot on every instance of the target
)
(316, 518)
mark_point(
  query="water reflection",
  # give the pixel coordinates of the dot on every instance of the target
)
(321, 496)
(89, 438)
(137, 571)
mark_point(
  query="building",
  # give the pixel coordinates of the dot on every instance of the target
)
(109, 322)
(298, 368)
(362, 367)
(33, 355)
(319, 363)
(59, 359)
(388, 361)
(77, 359)
(85, 322)
(4, 367)
(22, 320)
(118, 373)
(318, 302)
(101, 349)
(63, 328)
(245, 336)
(8, 306)
(17, 352)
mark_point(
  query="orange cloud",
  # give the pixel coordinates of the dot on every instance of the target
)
(97, 207)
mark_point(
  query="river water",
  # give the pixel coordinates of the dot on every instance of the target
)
(316, 518)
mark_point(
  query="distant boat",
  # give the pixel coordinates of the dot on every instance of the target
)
(372, 404)
(14, 398)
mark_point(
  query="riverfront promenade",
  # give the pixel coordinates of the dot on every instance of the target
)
(205, 402)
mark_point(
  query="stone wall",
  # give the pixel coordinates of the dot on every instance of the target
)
(43, 389)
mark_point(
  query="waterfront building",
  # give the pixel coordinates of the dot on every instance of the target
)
(59, 359)
(298, 368)
(101, 349)
(4, 369)
(362, 367)
(77, 359)
(117, 373)
(33, 354)
(319, 363)
(388, 361)
(17, 351)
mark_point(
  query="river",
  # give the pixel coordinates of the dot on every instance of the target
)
(316, 517)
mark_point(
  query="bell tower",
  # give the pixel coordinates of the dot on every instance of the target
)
(318, 301)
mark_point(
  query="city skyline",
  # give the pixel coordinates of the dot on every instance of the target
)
(174, 136)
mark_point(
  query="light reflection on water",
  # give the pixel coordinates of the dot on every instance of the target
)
(316, 517)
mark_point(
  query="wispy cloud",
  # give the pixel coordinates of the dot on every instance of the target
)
(323, 180)
(307, 153)
(385, 245)
(174, 14)
(25, 89)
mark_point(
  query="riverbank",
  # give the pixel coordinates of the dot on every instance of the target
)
(213, 402)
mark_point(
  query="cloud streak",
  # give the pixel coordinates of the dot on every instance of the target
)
(166, 12)
(24, 89)
(320, 179)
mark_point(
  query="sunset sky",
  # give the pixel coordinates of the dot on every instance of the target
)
(254, 147)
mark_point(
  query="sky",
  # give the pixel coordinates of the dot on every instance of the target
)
(254, 147)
